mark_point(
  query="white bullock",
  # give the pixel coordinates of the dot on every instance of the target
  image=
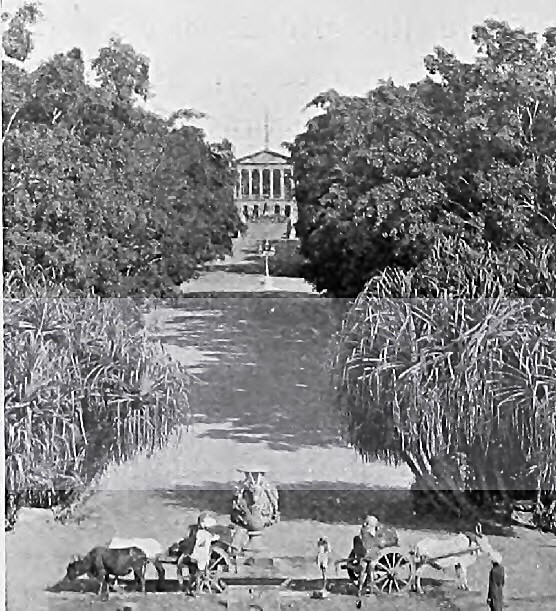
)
(457, 552)
(151, 547)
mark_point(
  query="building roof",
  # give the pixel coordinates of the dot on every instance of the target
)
(264, 157)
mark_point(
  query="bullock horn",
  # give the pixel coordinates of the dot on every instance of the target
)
(479, 529)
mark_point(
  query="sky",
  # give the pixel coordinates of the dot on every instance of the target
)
(236, 60)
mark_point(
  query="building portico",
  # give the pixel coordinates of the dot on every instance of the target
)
(265, 186)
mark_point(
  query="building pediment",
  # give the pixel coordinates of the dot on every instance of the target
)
(264, 158)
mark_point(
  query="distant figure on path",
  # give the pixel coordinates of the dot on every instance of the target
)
(288, 228)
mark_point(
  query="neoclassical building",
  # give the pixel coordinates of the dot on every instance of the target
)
(265, 186)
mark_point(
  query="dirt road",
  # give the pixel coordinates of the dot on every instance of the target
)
(38, 551)
(263, 401)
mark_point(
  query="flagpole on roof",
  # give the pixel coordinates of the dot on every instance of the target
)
(266, 132)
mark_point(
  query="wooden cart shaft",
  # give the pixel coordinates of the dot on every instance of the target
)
(428, 560)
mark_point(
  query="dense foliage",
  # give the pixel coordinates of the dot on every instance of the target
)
(462, 163)
(467, 384)
(83, 386)
(99, 193)
(101, 199)
(288, 260)
(436, 203)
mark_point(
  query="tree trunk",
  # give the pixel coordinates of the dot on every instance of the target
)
(431, 493)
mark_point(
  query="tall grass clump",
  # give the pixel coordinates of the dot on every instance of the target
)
(456, 268)
(84, 386)
(460, 386)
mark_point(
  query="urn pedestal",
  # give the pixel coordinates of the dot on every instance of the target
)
(255, 507)
(255, 503)
(255, 544)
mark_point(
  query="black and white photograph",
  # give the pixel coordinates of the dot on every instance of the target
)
(279, 305)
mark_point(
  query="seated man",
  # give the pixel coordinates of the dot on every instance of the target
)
(199, 558)
(363, 547)
(373, 538)
(374, 534)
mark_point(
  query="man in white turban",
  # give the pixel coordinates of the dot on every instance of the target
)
(201, 553)
(374, 537)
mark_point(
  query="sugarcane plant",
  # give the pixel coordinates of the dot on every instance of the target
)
(460, 389)
(84, 385)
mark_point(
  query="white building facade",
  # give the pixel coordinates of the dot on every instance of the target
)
(265, 186)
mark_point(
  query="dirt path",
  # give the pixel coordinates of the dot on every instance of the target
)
(263, 399)
(220, 279)
(159, 497)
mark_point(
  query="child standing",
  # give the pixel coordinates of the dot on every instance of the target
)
(323, 553)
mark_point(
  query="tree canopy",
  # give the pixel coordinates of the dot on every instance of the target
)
(435, 204)
(464, 159)
(100, 193)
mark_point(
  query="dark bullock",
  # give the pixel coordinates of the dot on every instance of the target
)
(103, 562)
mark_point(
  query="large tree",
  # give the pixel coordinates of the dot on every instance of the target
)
(99, 193)
(460, 387)
(469, 151)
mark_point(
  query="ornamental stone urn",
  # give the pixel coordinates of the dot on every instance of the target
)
(255, 503)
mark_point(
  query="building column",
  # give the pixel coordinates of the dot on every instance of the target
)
(250, 182)
(240, 187)
(271, 183)
(261, 183)
(282, 185)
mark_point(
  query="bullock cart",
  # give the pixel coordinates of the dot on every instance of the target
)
(395, 568)
(225, 552)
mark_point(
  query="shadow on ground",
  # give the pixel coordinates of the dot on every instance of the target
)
(334, 585)
(268, 367)
(252, 264)
(91, 586)
(327, 502)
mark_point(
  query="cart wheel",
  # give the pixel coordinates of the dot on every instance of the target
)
(219, 562)
(219, 559)
(393, 572)
(212, 585)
